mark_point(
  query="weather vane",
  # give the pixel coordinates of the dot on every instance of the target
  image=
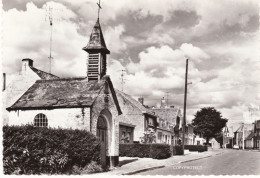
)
(99, 7)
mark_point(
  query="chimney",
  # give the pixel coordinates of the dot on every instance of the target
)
(141, 100)
(4, 81)
(163, 103)
(26, 64)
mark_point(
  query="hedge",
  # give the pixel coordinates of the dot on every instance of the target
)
(35, 150)
(199, 148)
(177, 150)
(155, 151)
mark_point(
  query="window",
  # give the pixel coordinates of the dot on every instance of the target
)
(150, 121)
(40, 120)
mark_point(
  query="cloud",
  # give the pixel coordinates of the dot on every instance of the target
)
(151, 40)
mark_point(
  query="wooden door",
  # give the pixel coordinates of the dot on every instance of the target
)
(102, 136)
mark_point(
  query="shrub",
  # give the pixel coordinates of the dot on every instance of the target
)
(92, 167)
(155, 151)
(149, 136)
(34, 150)
(199, 148)
(177, 150)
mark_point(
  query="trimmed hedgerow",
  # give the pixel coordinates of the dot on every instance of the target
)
(199, 148)
(155, 151)
(177, 150)
(34, 150)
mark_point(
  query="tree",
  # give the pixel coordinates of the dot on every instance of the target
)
(209, 122)
(149, 136)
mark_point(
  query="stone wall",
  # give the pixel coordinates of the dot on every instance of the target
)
(74, 118)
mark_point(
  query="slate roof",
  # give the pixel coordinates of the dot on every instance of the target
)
(130, 100)
(250, 136)
(247, 127)
(62, 93)
(169, 114)
(96, 40)
(257, 125)
(43, 75)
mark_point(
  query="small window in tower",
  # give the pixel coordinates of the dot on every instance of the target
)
(40, 120)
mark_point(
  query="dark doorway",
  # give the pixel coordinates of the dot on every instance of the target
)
(102, 135)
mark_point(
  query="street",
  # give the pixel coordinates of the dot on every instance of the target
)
(231, 162)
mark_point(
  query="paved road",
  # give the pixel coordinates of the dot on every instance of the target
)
(232, 162)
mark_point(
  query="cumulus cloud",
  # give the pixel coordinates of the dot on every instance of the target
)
(151, 42)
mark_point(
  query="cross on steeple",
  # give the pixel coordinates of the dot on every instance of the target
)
(99, 7)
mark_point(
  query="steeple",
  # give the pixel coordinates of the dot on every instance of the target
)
(96, 41)
(96, 65)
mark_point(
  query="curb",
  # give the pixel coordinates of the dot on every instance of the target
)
(194, 159)
(158, 167)
(143, 170)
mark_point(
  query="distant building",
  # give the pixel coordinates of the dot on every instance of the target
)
(238, 134)
(168, 124)
(249, 140)
(199, 140)
(135, 120)
(256, 137)
(214, 143)
(189, 136)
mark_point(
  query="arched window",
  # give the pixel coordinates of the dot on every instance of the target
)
(40, 120)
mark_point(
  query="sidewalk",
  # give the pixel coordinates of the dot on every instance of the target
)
(132, 165)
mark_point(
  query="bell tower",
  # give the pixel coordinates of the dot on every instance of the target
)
(97, 50)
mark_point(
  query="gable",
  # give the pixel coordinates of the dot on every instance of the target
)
(43, 75)
(129, 105)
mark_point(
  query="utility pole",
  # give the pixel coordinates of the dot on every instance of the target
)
(232, 135)
(243, 136)
(184, 110)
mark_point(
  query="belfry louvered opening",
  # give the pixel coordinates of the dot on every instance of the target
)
(93, 66)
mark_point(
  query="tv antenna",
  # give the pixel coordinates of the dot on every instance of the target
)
(49, 13)
(123, 72)
(50, 19)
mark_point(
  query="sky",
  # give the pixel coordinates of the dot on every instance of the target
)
(151, 41)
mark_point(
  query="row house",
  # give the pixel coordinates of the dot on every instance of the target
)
(135, 120)
(168, 119)
(189, 136)
(238, 134)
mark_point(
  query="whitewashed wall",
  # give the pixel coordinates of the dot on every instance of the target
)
(74, 118)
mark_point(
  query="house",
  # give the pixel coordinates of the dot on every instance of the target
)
(189, 136)
(168, 124)
(214, 143)
(88, 103)
(249, 140)
(238, 134)
(135, 120)
(199, 140)
(256, 137)
(20, 84)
